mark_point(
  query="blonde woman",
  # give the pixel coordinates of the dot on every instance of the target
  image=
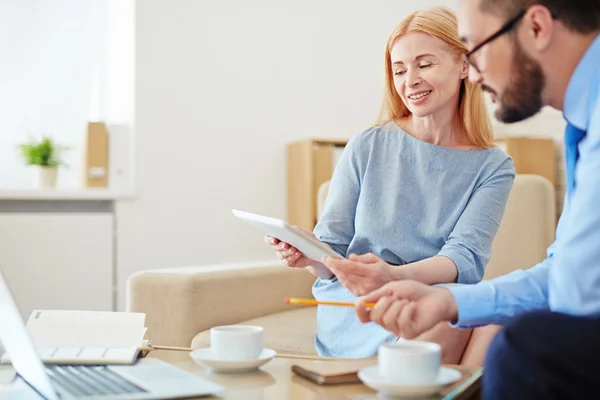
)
(418, 196)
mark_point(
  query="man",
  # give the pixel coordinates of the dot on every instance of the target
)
(528, 54)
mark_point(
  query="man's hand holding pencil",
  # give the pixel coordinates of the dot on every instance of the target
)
(405, 308)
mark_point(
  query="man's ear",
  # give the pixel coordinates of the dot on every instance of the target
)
(464, 71)
(539, 25)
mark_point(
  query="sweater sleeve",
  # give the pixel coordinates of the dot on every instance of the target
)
(469, 245)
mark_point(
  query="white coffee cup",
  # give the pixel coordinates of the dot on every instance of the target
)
(237, 342)
(410, 361)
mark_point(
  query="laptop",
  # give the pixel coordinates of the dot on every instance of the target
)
(149, 378)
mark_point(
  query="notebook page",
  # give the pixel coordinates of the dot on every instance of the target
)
(86, 336)
(87, 318)
(89, 356)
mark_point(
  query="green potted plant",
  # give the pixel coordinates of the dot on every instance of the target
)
(44, 157)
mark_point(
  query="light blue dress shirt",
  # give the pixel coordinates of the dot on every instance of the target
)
(568, 280)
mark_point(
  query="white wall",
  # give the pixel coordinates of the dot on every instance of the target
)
(221, 88)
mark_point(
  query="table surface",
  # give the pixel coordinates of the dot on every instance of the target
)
(276, 381)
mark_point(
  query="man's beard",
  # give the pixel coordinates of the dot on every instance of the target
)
(522, 97)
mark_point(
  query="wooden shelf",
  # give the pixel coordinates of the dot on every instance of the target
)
(310, 163)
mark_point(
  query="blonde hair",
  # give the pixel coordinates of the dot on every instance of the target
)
(439, 22)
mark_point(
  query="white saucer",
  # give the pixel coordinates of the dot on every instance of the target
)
(371, 377)
(206, 358)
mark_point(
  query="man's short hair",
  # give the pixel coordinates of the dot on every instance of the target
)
(582, 16)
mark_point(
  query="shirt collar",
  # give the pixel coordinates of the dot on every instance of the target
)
(576, 107)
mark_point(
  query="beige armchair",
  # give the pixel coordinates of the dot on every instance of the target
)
(182, 304)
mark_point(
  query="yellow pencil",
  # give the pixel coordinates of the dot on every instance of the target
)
(311, 302)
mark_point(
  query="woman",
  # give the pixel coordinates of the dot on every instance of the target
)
(418, 196)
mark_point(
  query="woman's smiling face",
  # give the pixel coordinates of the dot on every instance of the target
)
(427, 76)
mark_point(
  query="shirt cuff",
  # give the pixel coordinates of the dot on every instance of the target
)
(475, 304)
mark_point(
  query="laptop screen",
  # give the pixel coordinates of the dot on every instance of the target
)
(19, 346)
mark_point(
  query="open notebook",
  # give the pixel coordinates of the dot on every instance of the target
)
(86, 337)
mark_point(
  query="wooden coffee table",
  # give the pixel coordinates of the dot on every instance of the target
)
(276, 381)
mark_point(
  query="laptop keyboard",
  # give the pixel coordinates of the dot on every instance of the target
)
(94, 380)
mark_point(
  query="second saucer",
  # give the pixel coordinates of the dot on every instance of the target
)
(207, 359)
(371, 377)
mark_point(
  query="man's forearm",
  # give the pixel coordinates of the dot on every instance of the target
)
(500, 299)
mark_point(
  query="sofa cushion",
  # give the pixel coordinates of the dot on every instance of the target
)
(289, 332)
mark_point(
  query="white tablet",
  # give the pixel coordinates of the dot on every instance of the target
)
(287, 233)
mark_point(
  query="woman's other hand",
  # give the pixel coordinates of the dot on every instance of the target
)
(360, 274)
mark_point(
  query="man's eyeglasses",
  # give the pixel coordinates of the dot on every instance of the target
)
(510, 24)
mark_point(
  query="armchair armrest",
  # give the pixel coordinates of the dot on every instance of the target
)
(181, 302)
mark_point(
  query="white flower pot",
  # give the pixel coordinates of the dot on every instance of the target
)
(44, 177)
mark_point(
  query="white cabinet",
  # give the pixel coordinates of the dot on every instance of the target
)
(58, 260)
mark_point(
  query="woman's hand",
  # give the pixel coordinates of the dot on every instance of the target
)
(291, 256)
(360, 274)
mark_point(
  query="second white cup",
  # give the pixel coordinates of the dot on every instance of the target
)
(410, 361)
(237, 342)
